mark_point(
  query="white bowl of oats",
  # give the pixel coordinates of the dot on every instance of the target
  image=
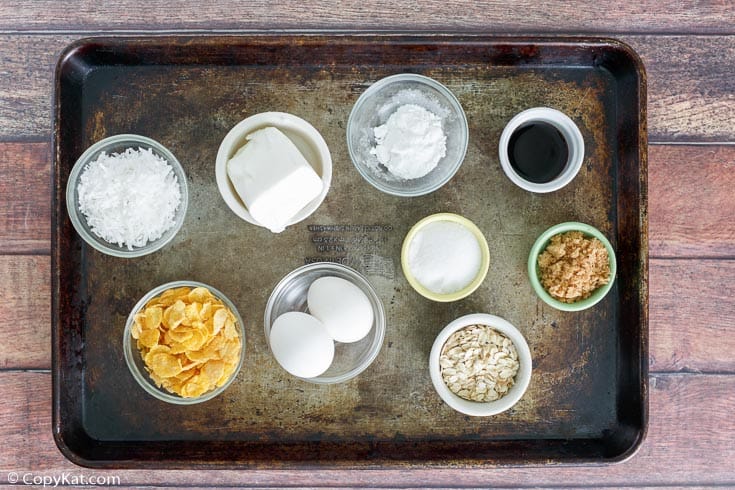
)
(480, 365)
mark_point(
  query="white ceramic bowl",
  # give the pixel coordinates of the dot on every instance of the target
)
(571, 134)
(522, 379)
(307, 139)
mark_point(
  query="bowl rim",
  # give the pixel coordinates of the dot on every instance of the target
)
(561, 122)
(453, 102)
(143, 379)
(76, 217)
(540, 244)
(379, 317)
(281, 121)
(484, 263)
(523, 377)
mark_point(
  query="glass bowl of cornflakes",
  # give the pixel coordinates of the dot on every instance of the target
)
(184, 342)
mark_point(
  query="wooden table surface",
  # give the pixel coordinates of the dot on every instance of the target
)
(688, 48)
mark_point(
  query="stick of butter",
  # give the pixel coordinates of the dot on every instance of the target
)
(272, 178)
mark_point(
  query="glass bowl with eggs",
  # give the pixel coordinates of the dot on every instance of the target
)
(324, 323)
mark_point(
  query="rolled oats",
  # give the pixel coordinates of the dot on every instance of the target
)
(478, 363)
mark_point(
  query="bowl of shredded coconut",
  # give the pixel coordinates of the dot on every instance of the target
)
(407, 135)
(127, 196)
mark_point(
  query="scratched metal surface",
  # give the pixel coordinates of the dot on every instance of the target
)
(575, 390)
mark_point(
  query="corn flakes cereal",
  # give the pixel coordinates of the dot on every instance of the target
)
(188, 340)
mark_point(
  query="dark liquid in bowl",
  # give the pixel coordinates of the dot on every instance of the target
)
(538, 152)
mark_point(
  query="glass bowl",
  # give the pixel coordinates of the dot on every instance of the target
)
(350, 359)
(118, 144)
(522, 378)
(378, 103)
(540, 245)
(135, 362)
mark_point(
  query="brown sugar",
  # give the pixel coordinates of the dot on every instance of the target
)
(573, 266)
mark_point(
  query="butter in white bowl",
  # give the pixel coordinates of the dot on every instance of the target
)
(273, 178)
(275, 157)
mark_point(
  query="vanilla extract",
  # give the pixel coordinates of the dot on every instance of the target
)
(538, 152)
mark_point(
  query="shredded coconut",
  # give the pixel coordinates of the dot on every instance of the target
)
(129, 198)
(411, 142)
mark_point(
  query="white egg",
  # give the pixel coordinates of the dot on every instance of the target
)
(301, 344)
(342, 307)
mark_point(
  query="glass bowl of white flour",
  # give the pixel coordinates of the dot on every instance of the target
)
(407, 135)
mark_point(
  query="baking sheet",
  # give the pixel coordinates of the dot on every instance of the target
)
(588, 393)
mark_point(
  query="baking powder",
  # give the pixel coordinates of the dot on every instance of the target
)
(411, 142)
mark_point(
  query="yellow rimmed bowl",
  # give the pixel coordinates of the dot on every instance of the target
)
(481, 273)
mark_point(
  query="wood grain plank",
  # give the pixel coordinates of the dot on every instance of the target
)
(689, 442)
(688, 16)
(26, 84)
(691, 203)
(691, 90)
(690, 85)
(25, 315)
(692, 307)
(25, 207)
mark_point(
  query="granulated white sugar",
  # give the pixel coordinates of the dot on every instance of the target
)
(129, 198)
(444, 256)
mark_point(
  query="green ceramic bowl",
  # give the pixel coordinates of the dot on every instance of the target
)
(540, 246)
